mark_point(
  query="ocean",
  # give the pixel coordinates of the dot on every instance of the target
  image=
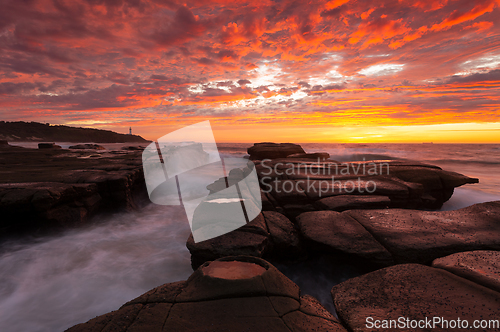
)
(52, 283)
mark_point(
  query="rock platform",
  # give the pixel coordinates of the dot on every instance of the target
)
(426, 263)
(46, 189)
(241, 293)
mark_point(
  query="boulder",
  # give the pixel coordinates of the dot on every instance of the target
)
(283, 235)
(48, 146)
(288, 192)
(37, 206)
(316, 156)
(334, 232)
(437, 183)
(422, 236)
(391, 236)
(480, 266)
(87, 147)
(349, 202)
(230, 294)
(251, 239)
(43, 189)
(261, 151)
(270, 234)
(414, 292)
(407, 184)
(133, 148)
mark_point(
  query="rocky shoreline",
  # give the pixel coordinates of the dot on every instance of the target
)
(425, 263)
(43, 190)
(420, 263)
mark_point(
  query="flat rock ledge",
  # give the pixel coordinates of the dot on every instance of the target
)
(383, 227)
(42, 190)
(404, 236)
(413, 292)
(270, 235)
(293, 183)
(241, 293)
(480, 266)
(383, 237)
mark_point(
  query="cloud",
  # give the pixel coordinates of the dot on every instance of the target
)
(183, 27)
(491, 76)
(382, 69)
(457, 16)
(347, 61)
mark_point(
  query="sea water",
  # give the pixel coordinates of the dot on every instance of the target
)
(52, 283)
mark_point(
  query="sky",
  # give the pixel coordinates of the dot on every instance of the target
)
(295, 71)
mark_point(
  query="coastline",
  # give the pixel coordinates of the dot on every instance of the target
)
(291, 227)
(48, 189)
(286, 241)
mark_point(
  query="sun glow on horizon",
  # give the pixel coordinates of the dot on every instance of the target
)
(325, 71)
(437, 133)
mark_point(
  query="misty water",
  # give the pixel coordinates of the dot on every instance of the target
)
(52, 283)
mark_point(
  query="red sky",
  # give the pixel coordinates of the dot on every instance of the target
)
(347, 71)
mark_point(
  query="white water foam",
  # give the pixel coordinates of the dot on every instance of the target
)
(53, 283)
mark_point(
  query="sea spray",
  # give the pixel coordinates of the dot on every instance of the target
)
(52, 283)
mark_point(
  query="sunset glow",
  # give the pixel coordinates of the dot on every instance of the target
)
(321, 71)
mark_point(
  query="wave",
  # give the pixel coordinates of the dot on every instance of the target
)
(56, 282)
(463, 197)
(362, 157)
(480, 162)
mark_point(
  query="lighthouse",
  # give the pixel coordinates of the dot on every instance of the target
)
(130, 131)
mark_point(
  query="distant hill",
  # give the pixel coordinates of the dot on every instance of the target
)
(40, 132)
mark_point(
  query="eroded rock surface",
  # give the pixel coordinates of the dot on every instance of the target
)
(48, 146)
(412, 291)
(383, 237)
(273, 150)
(403, 236)
(480, 266)
(421, 236)
(230, 294)
(87, 146)
(334, 232)
(305, 185)
(271, 234)
(40, 189)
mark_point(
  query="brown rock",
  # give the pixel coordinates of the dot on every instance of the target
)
(409, 184)
(315, 156)
(480, 266)
(48, 146)
(283, 235)
(349, 202)
(317, 189)
(261, 151)
(412, 291)
(40, 189)
(270, 234)
(287, 192)
(118, 320)
(312, 316)
(36, 206)
(421, 236)
(437, 183)
(133, 148)
(87, 147)
(251, 239)
(230, 294)
(339, 233)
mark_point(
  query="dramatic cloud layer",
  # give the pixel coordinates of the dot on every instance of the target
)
(154, 64)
